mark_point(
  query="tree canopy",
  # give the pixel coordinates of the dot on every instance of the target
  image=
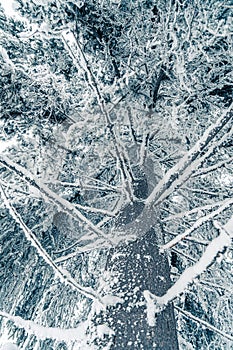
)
(116, 139)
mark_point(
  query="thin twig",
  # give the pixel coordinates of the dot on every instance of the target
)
(197, 224)
(203, 323)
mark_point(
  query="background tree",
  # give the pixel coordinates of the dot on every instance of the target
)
(117, 163)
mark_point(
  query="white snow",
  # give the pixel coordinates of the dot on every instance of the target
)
(40, 2)
(229, 227)
(151, 309)
(9, 8)
(7, 5)
(5, 144)
(103, 330)
(110, 300)
(156, 304)
(59, 334)
(9, 346)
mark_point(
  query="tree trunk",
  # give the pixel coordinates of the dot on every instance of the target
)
(135, 267)
(138, 267)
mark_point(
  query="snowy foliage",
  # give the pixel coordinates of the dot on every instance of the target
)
(116, 117)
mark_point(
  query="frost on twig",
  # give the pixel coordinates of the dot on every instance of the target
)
(156, 304)
(63, 275)
(51, 196)
(191, 161)
(196, 225)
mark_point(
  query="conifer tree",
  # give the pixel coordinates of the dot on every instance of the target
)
(116, 174)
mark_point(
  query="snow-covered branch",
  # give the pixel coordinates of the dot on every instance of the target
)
(191, 161)
(197, 224)
(59, 334)
(77, 51)
(214, 167)
(156, 304)
(94, 210)
(203, 323)
(105, 187)
(196, 210)
(63, 275)
(51, 196)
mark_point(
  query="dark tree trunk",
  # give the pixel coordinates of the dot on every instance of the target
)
(138, 266)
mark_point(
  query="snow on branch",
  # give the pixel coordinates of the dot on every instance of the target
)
(59, 334)
(191, 161)
(204, 323)
(195, 210)
(155, 304)
(197, 224)
(213, 167)
(63, 275)
(75, 50)
(77, 334)
(95, 210)
(51, 196)
(84, 186)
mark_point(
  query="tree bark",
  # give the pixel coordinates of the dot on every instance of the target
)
(139, 266)
(134, 267)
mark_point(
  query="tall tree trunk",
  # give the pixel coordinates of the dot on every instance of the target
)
(138, 267)
(134, 267)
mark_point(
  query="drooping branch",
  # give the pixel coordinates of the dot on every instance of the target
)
(63, 275)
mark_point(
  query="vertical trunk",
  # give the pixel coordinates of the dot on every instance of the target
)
(135, 267)
(139, 266)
